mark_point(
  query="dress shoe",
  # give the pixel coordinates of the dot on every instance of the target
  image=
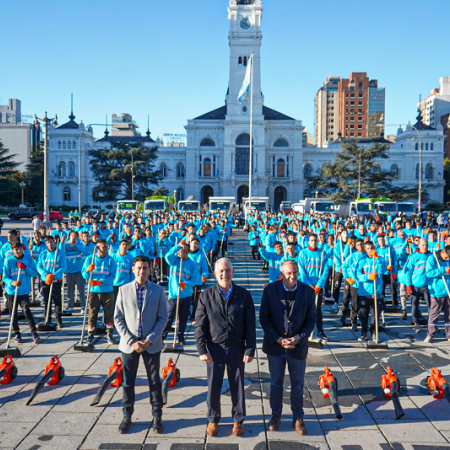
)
(212, 429)
(274, 423)
(158, 426)
(300, 427)
(124, 427)
(238, 429)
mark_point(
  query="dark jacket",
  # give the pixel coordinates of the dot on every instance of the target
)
(225, 325)
(276, 323)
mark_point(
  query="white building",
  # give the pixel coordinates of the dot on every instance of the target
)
(436, 104)
(216, 158)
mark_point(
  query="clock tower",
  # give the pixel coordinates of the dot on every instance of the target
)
(245, 37)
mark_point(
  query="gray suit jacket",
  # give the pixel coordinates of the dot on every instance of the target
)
(127, 316)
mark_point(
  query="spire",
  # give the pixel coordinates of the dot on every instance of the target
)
(148, 126)
(106, 126)
(71, 117)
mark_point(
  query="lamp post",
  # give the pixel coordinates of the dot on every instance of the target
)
(132, 174)
(22, 185)
(46, 121)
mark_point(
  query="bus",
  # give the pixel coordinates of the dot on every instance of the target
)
(261, 204)
(128, 206)
(189, 205)
(221, 203)
(409, 208)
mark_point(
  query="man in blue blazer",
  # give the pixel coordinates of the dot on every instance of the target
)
(288, 316)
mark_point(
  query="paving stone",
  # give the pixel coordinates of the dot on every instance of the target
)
(62, 424)
(103, 434)
(12, 433)
(49, 442)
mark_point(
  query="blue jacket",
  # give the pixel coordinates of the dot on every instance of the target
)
(274, 260)
(350, 265)
(124, 272)
(74, 258)
(435, 273)
(202, 266)
(363, 271)
(415, 273)
(45, 264)
(310, 268)
(253, 237)
(10, 272)
(384, 253)
(340, 257)
(105, 270)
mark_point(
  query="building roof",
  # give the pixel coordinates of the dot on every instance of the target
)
(126, 139)
(70, 124)
(420, 125)
(220, 113)
(362, 140)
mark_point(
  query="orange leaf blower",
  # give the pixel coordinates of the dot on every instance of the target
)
(54, 373)
(437, 386)
(391, 387)
(171, 376)
(114, 378)
(329, 386)
(8, 370)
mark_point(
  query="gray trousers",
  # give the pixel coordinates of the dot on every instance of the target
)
(436, 306)
(73, 279)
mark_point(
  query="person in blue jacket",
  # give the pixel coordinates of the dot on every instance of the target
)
(273, 260)
(387, 252)
(177, 257)
(253, 237)
(416, 281)
(438, 274)
(370, 269)
(197, 255)
(124, 267)
(101, 292)
(12, 264)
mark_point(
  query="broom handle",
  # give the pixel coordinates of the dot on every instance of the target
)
(443, 277)
(178, 304)
(14, 310)
(206, 257)
(87, 300)
(375, 304)
(49, 300)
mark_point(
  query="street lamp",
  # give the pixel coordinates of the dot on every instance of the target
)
(46, 121)
(22, 185)
(132, 174)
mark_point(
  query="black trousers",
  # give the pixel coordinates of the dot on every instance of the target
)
(56, 298)
(337, 283)
(350, 293)
(224, 246)
(130, 367)
(255, 252)
(365, 304)
(319, 321)
(233, 359)
(418, 293)
(387, 281)
(328, 284)
(24, 302)
(197, 291)
(183, 313)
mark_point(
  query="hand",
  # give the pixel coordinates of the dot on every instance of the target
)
(409, 290)
(21, 265)
(206, 358)
(204, 279)
(156, 253)
(279, 277)
(340, 270)
(30, 247)
(389, 268)
(350, 281)
(316, 289)
(138, 346)
(49, 279)
(289, 343)
(349, 241)
(183, 242)
(182, 285)
(16, 283)
(95, 282)
(409, 241)
(372, 276)
(374, 254)
(248, 359)
(90, 268)
(394, 276)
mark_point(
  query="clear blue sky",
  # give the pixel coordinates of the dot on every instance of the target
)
(169, 58)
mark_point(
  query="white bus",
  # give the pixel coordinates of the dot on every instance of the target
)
(189, 205)
(221, 203)
(128, 206)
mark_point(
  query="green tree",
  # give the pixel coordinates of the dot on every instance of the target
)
(8, 185)
(34, 177)
(447, 180)
(357, 168)
(113, 169)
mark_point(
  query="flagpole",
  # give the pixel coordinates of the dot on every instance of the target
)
(251, 137)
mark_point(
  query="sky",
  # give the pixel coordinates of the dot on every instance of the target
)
(169, 59)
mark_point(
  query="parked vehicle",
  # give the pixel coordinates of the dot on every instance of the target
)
(128, 206)
(286, 207)
(23, 213)
(54, 216)
(368, 206)
(315, 205)
(409, 208)
(221, 203)
(158, 203)
(189, 205)
(261, 204)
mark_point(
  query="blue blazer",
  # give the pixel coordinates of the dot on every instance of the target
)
(276, 322)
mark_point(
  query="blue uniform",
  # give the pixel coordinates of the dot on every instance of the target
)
(124, 266)
(274, 260)
(415, 273)
(10, 273)
(105, 270)
(435, 273)
(46, 261)
(363, 271)
(312, 266)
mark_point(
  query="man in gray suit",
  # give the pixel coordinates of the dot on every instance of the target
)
(140, 318)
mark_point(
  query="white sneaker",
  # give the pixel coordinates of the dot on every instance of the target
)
(428, 339)
(82, 311)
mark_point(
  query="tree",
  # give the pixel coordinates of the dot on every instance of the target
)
(8, 187)
(356, 169)
(113, 169)
(34, 176)
(447, 180)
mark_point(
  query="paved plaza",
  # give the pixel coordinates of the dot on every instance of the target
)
(61, 417)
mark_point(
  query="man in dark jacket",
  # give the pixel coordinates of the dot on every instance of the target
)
(225, 333)
(287, 316)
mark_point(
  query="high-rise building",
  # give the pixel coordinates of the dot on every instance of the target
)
(11, 113)
(436, 104)
(361, 105)
(445, 122)
(326, 110)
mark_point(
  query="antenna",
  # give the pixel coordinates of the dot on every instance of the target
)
(71, 103)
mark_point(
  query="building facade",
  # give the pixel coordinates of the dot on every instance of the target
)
(326, 104)
(436, 104)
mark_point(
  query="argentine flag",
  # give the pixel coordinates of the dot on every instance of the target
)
(246, 84)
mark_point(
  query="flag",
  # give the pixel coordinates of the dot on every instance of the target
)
(246, 84)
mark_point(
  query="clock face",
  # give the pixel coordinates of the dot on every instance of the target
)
(245, 24)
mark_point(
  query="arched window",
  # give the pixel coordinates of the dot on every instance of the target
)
(207, 167)
(307, 171)
(69, 145)
(71, 169)
(207, 143)
(59, 144)
(431, 146)
(66, 194)
(426, 146)
(242, 157)
(417, 146)
(281, 143)
(394, 170)
(421, 146)
(240, 61)
(429, 171)
(281, 168)
(64, 144)
(73, 144)
(417, 171)
(62, 169)
(180, 170)
(180, 194)
(163, 170)
(245, 61)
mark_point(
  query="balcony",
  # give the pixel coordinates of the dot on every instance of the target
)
(64, 180)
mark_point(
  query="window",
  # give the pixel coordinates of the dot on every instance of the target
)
(242, 156)
(180, 194)
(426, 146)
(71, 169)
(417, 171)
(163, 170)
(417, 146)
(207, 167)
(245, 61)
(431, 146)
(281, 143)
(429, 171)
(240, 61)
(307, 171)
(73, 144)
(394, 170)
(69, 145)
(59, 144)
(64, 144)
(207, 143)
(180, 170)
(281, 168)
(66, 194)
(62, 169)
